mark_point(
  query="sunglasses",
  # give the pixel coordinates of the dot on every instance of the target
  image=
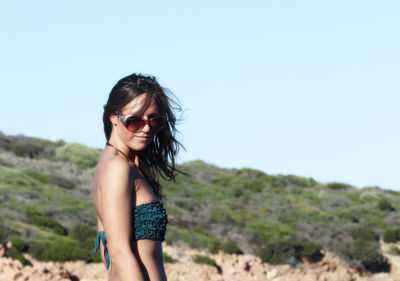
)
(134, 123)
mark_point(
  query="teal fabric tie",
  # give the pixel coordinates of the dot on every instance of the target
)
(102, 236)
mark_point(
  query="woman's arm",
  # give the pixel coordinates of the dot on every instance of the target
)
(116, 197)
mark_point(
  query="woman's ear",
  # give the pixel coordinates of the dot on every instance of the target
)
(113, 119)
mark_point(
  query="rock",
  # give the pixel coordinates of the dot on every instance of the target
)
(13, 270)
(229, 267)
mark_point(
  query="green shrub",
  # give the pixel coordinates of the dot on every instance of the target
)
(366, 254)
(213, 246)
(364, 234)
(237, 192)
(39, 219)
(173, 211)
(200, 192)
(168, 259)
(3, 232)
(221, 179)
(184, 204)
(19, 244)
(29, 147)
(276, 251)
(194, 239)
(15, 254)
(26, 148)
(220, 213)
(384, 205)
(268, 228)
(354, 196)
(249, 173)
(241, 216)
(373, 219)
(289, 218)
(82, 231)
(279, 251)
(49, 223)
(310, 250)
(198, 229)
(254, 185)
(230, 247)
(57, 249)
(78, 154)
(61, 181)
(204, 260)
(31, 211)
(242, 180)
(84, 234)
(346, 214)
(40, 177)
(294, 180)
(337, 186)
(390, 235)
(13, 178)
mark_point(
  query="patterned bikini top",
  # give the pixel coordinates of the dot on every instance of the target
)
(149, 221)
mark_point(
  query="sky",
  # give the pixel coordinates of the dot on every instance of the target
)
(309, 88)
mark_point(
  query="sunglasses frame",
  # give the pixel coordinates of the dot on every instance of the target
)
(124, 118)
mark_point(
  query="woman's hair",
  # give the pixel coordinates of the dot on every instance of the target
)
(159, 157)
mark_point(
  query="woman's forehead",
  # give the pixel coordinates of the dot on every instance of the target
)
(138, 106)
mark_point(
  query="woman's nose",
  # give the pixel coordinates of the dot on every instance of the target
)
(146, 128)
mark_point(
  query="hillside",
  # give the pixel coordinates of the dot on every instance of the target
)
(46, 209)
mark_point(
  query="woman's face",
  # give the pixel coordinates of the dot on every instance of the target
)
(140, 138)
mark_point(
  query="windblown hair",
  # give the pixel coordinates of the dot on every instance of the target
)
(158, 159)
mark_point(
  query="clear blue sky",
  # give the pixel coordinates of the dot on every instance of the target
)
(309, 88)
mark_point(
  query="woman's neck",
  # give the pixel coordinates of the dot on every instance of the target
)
(129, 154)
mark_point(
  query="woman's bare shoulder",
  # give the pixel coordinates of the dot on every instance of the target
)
(112, 171)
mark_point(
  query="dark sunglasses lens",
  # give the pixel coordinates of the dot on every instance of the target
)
(157, 122)
(134, 123)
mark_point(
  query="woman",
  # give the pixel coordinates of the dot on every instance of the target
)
(139, 124)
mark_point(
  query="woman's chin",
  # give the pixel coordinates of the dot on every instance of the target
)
(138, 146)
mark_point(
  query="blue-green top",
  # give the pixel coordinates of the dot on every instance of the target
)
(149, 221)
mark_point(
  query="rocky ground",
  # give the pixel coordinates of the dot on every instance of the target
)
(229, 267)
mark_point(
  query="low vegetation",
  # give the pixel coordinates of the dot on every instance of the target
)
(168, 259)
(47, 210)
(204, 260)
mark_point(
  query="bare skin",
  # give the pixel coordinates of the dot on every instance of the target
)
(119, 187)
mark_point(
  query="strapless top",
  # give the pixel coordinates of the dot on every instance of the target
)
(149, 221)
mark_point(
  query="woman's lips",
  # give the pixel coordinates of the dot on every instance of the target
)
(143, 138)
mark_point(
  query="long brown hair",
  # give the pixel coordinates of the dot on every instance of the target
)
(158, 159)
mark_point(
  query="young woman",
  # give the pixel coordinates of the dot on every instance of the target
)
(139, 124)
